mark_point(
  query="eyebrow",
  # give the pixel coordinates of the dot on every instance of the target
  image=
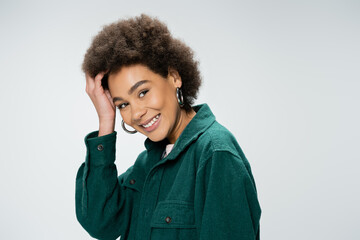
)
(132, 89)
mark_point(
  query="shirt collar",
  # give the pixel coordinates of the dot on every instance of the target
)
(203, 119)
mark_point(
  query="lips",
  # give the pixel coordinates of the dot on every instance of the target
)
(155, 123)
(148, 121)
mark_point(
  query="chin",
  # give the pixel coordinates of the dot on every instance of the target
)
(156, 136)
(156, 139)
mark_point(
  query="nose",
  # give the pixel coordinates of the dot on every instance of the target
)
(137, 112)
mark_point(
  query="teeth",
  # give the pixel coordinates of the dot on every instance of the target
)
(151, 122)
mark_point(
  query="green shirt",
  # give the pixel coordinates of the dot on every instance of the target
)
(203, 189)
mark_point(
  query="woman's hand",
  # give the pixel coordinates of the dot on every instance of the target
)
(103, 103)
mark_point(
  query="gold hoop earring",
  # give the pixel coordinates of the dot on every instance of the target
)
(123, 126)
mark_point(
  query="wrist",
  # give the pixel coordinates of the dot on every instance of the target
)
(106, 127)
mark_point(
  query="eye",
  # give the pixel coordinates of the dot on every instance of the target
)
(120, 106)
(143, 92)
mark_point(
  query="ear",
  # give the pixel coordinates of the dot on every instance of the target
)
(175, 77)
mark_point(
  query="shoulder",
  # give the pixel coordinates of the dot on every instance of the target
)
(217, 143)
(219, 152)
(218, 138)
(218, 147)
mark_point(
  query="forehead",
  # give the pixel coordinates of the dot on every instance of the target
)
(130, 74)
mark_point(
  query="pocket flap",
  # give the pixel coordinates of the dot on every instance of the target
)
(173, 214)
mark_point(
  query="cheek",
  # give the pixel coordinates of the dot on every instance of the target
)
(157, 100)
(126, 117)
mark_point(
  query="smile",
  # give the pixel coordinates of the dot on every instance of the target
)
(152, 124)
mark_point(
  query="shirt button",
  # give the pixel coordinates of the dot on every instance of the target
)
(100, 147)
(132, 181)
(168, 219)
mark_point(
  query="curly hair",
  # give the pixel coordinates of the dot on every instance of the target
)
(143, 40)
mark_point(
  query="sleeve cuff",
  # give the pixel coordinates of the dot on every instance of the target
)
(100, 150)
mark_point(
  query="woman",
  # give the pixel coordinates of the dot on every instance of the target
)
(193, 180)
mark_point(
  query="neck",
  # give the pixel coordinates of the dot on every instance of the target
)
(183, 121)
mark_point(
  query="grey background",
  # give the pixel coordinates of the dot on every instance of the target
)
(282, 76)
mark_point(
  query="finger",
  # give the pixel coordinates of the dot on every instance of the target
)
(98, 78)
(89, 82)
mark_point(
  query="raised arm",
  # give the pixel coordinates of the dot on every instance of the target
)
(102, 205)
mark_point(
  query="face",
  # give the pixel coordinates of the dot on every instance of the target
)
(147, 101)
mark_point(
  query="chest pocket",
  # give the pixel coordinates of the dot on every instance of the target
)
(173, 214)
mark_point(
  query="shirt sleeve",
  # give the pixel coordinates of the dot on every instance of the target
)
(226, 203)
(100, 200)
